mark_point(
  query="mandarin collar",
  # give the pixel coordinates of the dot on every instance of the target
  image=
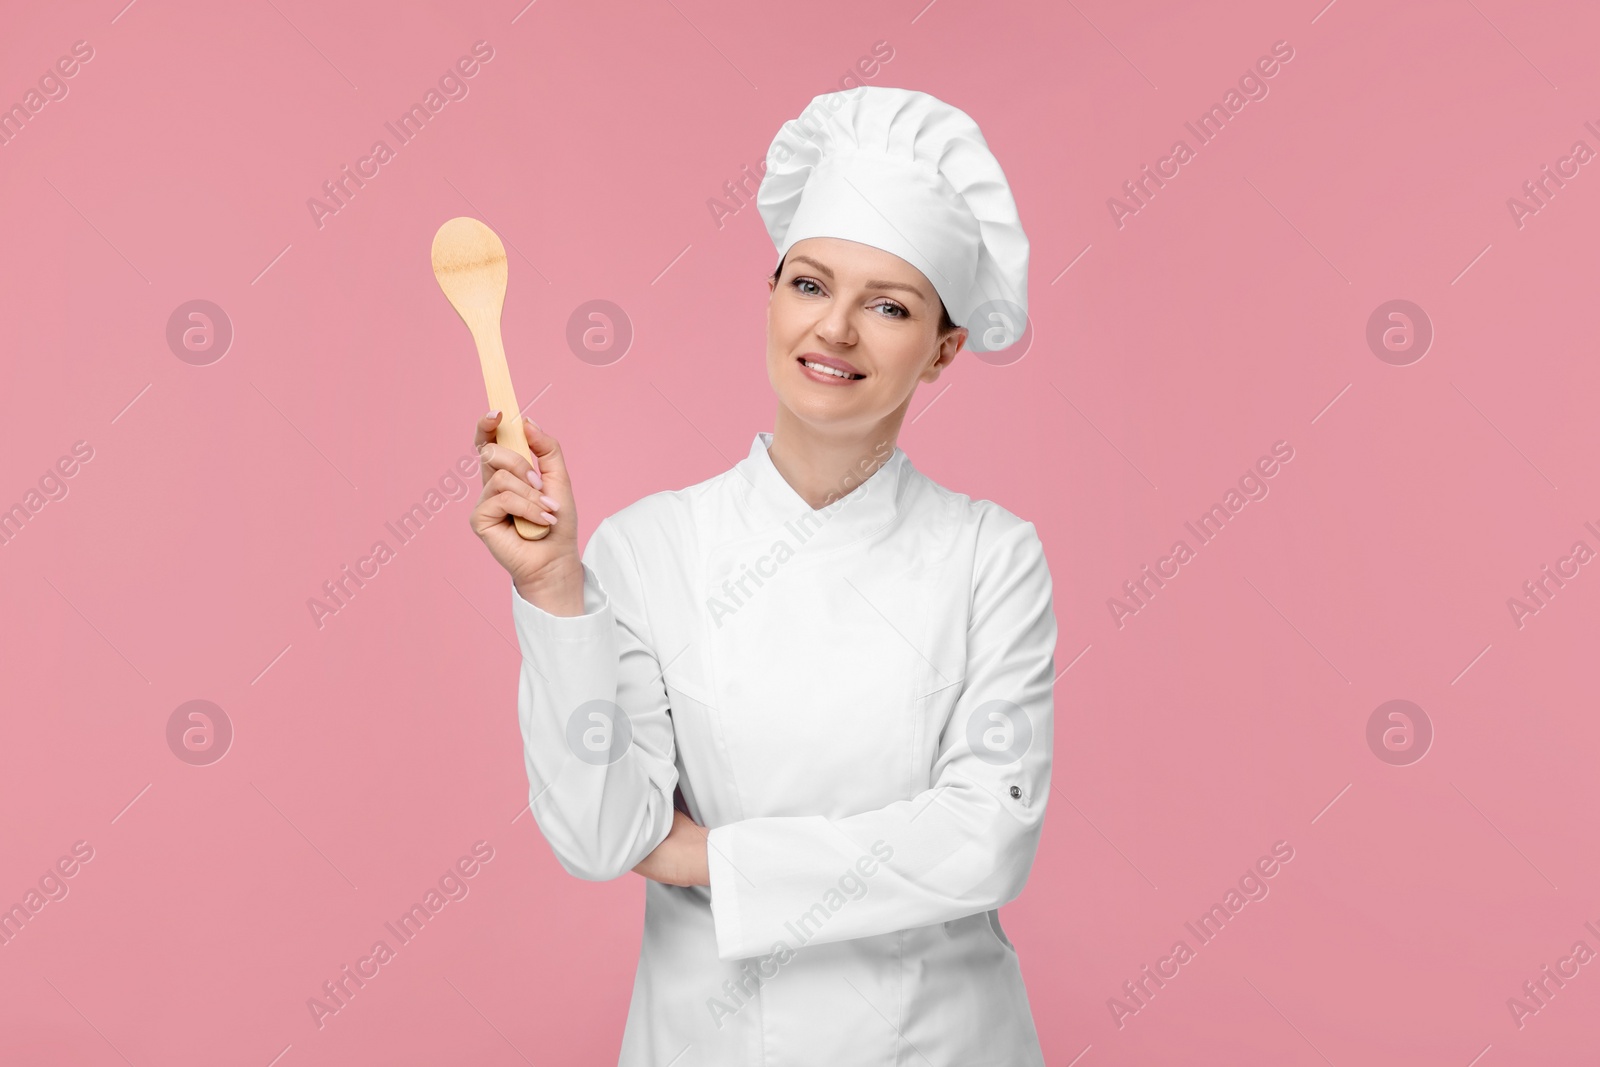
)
(867, 507)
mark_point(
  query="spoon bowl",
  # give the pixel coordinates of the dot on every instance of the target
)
(469, 262)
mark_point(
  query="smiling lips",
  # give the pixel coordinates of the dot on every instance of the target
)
(828, 369)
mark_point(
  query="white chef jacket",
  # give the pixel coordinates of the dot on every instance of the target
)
(857, 701)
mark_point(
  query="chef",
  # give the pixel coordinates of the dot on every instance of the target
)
(810, 699)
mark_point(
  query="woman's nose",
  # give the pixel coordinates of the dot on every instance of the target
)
(835, 328)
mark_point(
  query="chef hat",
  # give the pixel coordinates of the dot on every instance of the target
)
(905, 172)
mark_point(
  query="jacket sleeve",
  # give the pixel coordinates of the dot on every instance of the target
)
(596, 730)
(964, 845)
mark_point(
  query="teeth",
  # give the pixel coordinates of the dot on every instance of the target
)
(826, 369)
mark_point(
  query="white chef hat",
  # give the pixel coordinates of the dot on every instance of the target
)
(905, 172)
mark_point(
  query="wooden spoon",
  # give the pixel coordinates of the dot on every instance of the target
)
(470, 263)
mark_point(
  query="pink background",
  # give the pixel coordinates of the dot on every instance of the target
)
(1228, 314)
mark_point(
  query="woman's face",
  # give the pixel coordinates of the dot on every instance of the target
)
(865, 310)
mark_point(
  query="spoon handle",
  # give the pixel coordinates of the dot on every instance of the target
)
(509, 434)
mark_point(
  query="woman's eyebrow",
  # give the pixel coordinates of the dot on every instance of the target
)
(874, 284)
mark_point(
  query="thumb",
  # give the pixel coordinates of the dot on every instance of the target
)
(546, 450)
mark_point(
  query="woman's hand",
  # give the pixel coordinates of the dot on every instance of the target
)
(680, 859)
(548, 572)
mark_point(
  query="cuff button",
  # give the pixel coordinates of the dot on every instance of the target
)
(1015, 792)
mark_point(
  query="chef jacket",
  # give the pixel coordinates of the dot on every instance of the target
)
(857, 701)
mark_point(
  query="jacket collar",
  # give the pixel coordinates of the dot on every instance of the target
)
(867, 506)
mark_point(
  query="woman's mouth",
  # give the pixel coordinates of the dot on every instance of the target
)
(827, 372)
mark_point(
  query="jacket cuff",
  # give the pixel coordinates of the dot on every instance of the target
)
(536, 626)
(725, 896)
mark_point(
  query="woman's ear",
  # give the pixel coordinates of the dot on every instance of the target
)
(949, 345)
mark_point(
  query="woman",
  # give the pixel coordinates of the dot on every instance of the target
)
(843, 669)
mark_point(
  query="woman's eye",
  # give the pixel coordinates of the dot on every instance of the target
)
(798, 283)
(903, 312)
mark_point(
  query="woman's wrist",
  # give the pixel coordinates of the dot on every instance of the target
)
(557, 589)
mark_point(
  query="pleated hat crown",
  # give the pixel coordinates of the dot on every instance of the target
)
(905, 172)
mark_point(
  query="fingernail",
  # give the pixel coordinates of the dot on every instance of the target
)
(551, 504)
(533, 476)
(493, 414)
(544, 518)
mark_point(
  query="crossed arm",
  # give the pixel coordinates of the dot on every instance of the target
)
(964, 845)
